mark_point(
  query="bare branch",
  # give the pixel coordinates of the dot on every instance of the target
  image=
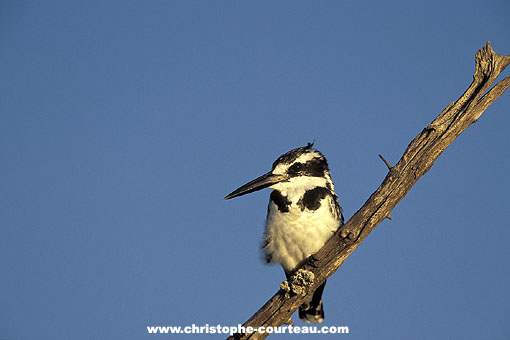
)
(385, 162)
(414, 163)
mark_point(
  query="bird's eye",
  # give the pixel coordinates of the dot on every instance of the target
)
(296, 168)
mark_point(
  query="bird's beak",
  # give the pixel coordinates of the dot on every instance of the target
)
(262, 182)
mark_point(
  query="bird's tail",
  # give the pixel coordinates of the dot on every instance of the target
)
(312, 310)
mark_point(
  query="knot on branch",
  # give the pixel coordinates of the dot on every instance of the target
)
(348, 235)
(298, 284)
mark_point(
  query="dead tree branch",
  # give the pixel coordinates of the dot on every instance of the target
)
(414, 163)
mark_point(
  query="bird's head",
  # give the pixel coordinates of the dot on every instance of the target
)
(299, 169)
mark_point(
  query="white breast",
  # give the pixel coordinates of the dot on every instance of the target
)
(293, 236)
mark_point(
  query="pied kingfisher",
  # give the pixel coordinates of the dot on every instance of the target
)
(303, 213)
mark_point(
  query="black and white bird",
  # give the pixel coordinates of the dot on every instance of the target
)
(303, 213)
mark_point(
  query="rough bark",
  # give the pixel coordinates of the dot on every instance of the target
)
(414, 163)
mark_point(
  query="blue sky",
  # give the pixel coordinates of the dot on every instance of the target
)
(124, 124)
